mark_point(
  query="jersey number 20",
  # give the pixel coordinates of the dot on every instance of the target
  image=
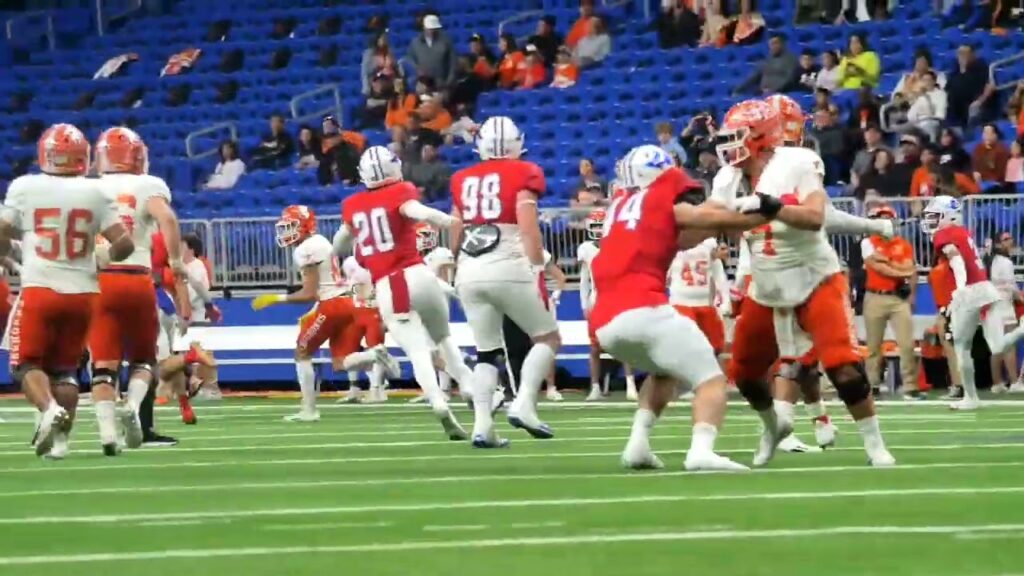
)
(481, 197)
(73, 241)
(373, 233)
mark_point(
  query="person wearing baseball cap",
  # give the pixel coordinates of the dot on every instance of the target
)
(432, 52)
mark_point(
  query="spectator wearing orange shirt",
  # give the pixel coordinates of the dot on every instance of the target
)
(483, 59)
(533, 73)
(990, 156)
(891, 277)
(582, 25)
(936, 170)
(512, 61)
(940, 278)
(400, 106)
(566, 72)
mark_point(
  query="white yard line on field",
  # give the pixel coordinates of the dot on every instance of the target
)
(325, 526)
(493, 504)
(485, 478)
(515, 543)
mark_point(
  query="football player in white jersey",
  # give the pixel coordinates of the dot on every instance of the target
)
(360, 285)
(333, 318)
(699, 290)
(796, 277)
(126, 288)
(57, 214)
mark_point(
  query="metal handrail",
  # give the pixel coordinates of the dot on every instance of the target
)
(1003, 62)
(191, 153)
(528, 15)
(102, 21)
(51, 37)
(335, 89)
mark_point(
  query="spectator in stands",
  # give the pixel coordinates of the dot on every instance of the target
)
(419, 136)
(928, 111)
(831, 143)
(581, 28)
(952, 153)
(589, 195)
(698, 136)
(512, 61)
(379, 63)
(1000, 270)
(707, 166)
(860, 65)
(432, 52)
(666, 139)
(483, 59)
(399, 145)
(891, 279)
(533, 73)
(953, 182)
(922, 184)
(566, 72)
(340, 153)
(808, 71)
(309, 148)
(228, 170)
(1015, 165)
(677, 25)
(594, 47)
(879, 179)
(780, 72)
(866, 113)
(375, 112)
(822, 99)
(430, 174)
(988, 161)
(467, 86)
(547, 40)
(828, 75)
(400, 105)
(971, 94)
(276, 148)
(907, 163)
(912, 84)
(865, 157)
(1015, 108)
(589, 177)
(432, 114)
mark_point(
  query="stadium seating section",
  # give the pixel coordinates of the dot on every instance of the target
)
(612, 108)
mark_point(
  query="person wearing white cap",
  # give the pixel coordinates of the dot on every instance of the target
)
(432, 52)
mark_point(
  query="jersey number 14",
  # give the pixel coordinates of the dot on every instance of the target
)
(630, 212)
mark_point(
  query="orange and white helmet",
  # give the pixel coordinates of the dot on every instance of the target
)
(121, 149)
(296, 224)
(792, 116)
(749, 128)
(594, 224)
(64, 150)
(426, 237)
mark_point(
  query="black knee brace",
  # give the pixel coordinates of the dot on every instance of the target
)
(495, 358)
(64, 379)
(106, 376)
(851, 382)
(757, 393)
(18, 374)
(145, 366)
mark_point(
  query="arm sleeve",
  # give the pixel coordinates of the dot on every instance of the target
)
(12, 205)
(720, 279)
(839, 222)
(956, 265)
(342, 240)
(415, 210)
(199, 282)
(585, 287)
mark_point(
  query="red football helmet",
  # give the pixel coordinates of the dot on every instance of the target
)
(749, 128)
(594, 224)
(792, 116)
(120, 149)
(63, 150)
(295, 225)
(426, 237)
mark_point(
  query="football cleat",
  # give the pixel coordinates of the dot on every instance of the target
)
(709, 461)
(965, 405)
(452, 428)
(825, 432)
(151, 439)
(60, 449)
(793, 445)
(638, 456)
(881, 458)
(481, 441)
(304, 416)
(533, 426)
(53, 422)
(132, 427)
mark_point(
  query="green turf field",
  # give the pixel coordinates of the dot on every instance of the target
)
(378, 491)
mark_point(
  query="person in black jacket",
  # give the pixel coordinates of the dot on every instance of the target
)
(547, 40)
(277, 147)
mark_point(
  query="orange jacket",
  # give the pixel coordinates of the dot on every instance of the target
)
(508, 70)
(896, 251)
(579, 29)
(399, 115)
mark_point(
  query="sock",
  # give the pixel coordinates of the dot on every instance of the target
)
(106, 420)
(595, 387)
(377, 377)
(769, 418)
(455, 366)
(359, 361)
(307, 384)
(535, 369)
(485, 382)
(183, 403)
(871, 433)
(137, 390)
(816, 410)
(967, 373)
(445, 382)
(426, 376)
(643, 422)
(703, 439)
(786, 410)
(146, 410)
(630, 383)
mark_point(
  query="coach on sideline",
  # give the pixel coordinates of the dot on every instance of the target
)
(891, 277)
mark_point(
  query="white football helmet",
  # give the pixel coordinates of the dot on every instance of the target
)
(379, 166)
(643, 165)
(942, 211)
(499, 137)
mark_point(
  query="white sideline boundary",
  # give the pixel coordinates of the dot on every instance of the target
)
(490, 504)
(487, 478)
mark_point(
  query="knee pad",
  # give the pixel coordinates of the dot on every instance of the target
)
(807, 374)
(851, 382)
(141, 366)
(18, 374)
(106, 376)
(757, 393)
(495, 358)
(64, 379)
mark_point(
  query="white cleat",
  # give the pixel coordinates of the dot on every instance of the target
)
(61, 447)
(793, 445)
(529, 421)
(770, 440)
(51, 423)
(497, 400)
(687, 396)
(965, 405)
(452, 428)
(1000, 389)
(631, 394)
(954, 393)
(710, 461)
(378, 396)
(421, 399)
(1017, 387)
(129, 421)
(825, 433)
(304, 416)
(553, 395)
(351, 397)
(881, 459)
(391, 366)
(594, 396)
(638, 456)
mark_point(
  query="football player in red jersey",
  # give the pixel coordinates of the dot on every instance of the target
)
(632, 318)
(974, 294)
(381, 222)
(500, 268)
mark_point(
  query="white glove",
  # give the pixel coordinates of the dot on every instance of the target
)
(747, 204)
(556, 297)
(884, 228)
(102, 255)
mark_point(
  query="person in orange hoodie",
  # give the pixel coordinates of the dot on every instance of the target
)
(582, 25)
(433, 113)
(566, 72)
(512, 61)
(399, 107)
(483, 59)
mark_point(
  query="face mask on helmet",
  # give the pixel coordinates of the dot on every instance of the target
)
(378, 167)
(595, 225)
(426, 239)
(288, 232)
(731, 145)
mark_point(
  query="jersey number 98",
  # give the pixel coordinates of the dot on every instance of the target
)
(481, 197)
